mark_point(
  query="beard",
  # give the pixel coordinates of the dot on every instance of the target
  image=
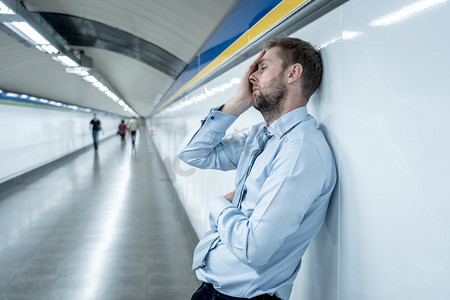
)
(270, 102)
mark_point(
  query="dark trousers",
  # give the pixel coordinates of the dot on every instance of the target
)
(95, 137)
(207, 292)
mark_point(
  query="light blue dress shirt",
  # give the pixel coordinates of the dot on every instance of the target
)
(288, 191)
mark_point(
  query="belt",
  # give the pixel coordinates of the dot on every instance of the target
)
(210, 287)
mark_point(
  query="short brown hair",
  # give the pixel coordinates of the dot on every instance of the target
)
(292, 51)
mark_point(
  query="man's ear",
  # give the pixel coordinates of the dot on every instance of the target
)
(295, 71)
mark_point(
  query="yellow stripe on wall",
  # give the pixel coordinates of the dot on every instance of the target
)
(282, 10)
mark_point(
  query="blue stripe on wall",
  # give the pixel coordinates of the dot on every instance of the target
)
(245, 14)
(22, 99)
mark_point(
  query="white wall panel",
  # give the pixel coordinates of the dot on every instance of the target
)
(383, 107)
(32, 137)
(395, 214)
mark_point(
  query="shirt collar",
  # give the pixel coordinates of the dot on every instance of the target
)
(286, 122)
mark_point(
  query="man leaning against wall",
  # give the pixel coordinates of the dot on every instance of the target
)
(285, 174)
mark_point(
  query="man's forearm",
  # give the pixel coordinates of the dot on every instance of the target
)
(204, 149)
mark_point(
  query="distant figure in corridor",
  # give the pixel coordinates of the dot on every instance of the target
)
(133, 126)
(285, 174)
(122, 131)
(95, 126)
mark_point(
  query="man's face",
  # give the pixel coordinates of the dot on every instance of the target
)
(268, 84)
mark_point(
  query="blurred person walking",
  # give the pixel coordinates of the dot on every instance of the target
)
(95, 126)
(122, 131)
(133, 126)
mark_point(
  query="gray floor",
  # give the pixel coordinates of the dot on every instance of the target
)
(103, 225)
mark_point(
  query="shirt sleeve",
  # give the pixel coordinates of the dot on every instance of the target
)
(296, 180)
(207, 148)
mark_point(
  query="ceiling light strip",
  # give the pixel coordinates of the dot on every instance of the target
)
(73, 65)
(5, 10)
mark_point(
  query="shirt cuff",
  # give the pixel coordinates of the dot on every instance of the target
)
(218, 120)
(217, 206)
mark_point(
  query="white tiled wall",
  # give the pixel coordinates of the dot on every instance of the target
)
(32, 137)
(383, 106)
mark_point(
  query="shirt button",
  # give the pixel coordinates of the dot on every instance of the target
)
(212, 117)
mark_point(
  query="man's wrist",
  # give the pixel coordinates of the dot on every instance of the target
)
(228, 110)
(218, 121)
(235, 107)
(217, 206)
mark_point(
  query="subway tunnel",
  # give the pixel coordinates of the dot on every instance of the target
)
(122, 221)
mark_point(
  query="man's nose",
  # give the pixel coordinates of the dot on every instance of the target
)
(252, 78)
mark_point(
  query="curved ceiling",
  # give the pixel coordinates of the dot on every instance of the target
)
(83, 32)
(139, 46)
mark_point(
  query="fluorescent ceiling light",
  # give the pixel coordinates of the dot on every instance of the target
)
(81, 71)
(50, 49)
(103, 89)
(27, 32)
(5, 10)
(97, 84)
(66, 61)
(112, 96)
(90, 79)
(127, 108)
(40, 48)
